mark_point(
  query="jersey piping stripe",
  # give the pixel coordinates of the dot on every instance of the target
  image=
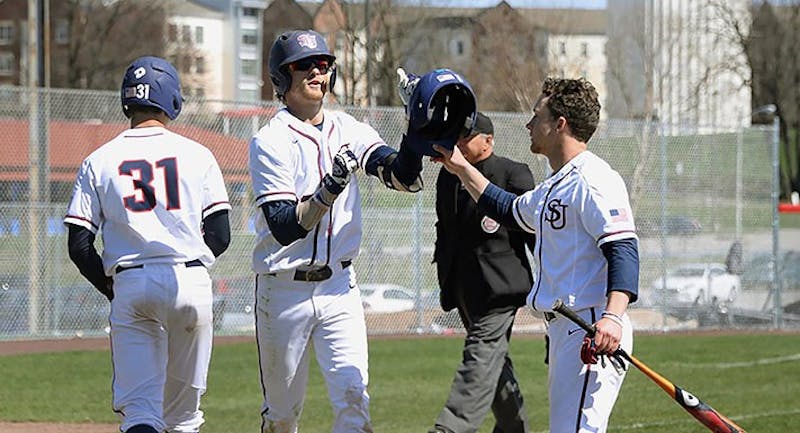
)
(540, 232)
(82, 219)
(369, 150)
(518, 215)
(275, 193)
(144, 136)
(609, 237)
(215, 204)
(313, 140)
(585, 386)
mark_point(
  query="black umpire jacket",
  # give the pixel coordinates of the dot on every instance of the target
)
(480, 264)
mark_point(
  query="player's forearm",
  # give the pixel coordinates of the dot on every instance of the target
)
(497, 203)
(474, 182)
(80, 244)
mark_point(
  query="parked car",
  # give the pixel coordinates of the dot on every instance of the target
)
(386, 298)
(674, 225)
(76, 308)
(696, 284)
(757, 273)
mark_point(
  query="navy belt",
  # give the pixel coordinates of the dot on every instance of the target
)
(320, 274)
(189, 264)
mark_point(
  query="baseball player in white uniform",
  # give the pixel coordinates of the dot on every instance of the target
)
(302, 165)
(160, 203)
(586, 249)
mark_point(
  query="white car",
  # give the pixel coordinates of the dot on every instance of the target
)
(697, 284)
(386, 298)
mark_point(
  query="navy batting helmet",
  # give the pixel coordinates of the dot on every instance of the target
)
(152, 82)
(290, 47)
(441, 107)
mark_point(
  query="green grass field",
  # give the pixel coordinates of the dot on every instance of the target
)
(751, 378)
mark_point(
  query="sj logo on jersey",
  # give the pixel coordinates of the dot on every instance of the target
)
(556, 214)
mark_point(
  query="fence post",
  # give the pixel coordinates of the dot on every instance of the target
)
(776, 187)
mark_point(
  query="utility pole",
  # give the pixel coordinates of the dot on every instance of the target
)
(38, 155)
(368, 47)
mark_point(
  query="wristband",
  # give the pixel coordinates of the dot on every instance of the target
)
(612, 317)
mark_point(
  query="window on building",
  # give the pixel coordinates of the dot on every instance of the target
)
(200, 92)
(6, 32)
(585, 49)
(186, 64)
(198, 35)
(562, 48)
(199, 65)
(249, 67)
(459, 48)
(186, 34)
(61, 31)
(6, 64)
(250, 12)
(172, 33)
(250, 94)
(250, 37)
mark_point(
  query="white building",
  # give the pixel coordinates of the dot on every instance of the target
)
(674, 60)
(231, 44)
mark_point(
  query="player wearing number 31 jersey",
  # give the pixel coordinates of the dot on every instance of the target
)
(161, 205)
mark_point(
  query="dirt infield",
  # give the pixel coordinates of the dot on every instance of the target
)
(41, 427)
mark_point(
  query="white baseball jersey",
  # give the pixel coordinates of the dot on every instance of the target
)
(148, 189)
(573, 212)
(288, 159)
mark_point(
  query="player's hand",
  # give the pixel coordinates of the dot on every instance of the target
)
(406, 84)
(452, 160)
(345, 164)
(608, 335)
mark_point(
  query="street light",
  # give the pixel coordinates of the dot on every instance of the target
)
(765, 112)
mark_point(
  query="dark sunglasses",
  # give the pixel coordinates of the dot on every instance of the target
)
(311, 62)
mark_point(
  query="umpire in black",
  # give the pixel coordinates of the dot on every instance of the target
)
(484, 272)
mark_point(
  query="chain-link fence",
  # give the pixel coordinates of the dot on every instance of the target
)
(694, 195)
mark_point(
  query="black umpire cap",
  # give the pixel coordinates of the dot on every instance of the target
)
(483, 125)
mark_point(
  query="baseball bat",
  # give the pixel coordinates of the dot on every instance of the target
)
(708, 416)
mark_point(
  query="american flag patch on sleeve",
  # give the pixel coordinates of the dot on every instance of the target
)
(619, 215)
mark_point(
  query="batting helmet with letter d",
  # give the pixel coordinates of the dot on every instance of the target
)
(292, 46)
(442, 106)
(152, 82)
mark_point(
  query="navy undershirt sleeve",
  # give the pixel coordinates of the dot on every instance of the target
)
(217, 232)
(377, 158)
(623, 266)
(496, 203)
(80, 243)
(282, 221)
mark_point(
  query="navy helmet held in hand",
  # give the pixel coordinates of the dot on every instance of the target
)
(442, 106)
(292, 46)
(152, 82)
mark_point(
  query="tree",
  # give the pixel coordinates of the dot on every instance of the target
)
(770, 44)
(505, 72)
(104, 37)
